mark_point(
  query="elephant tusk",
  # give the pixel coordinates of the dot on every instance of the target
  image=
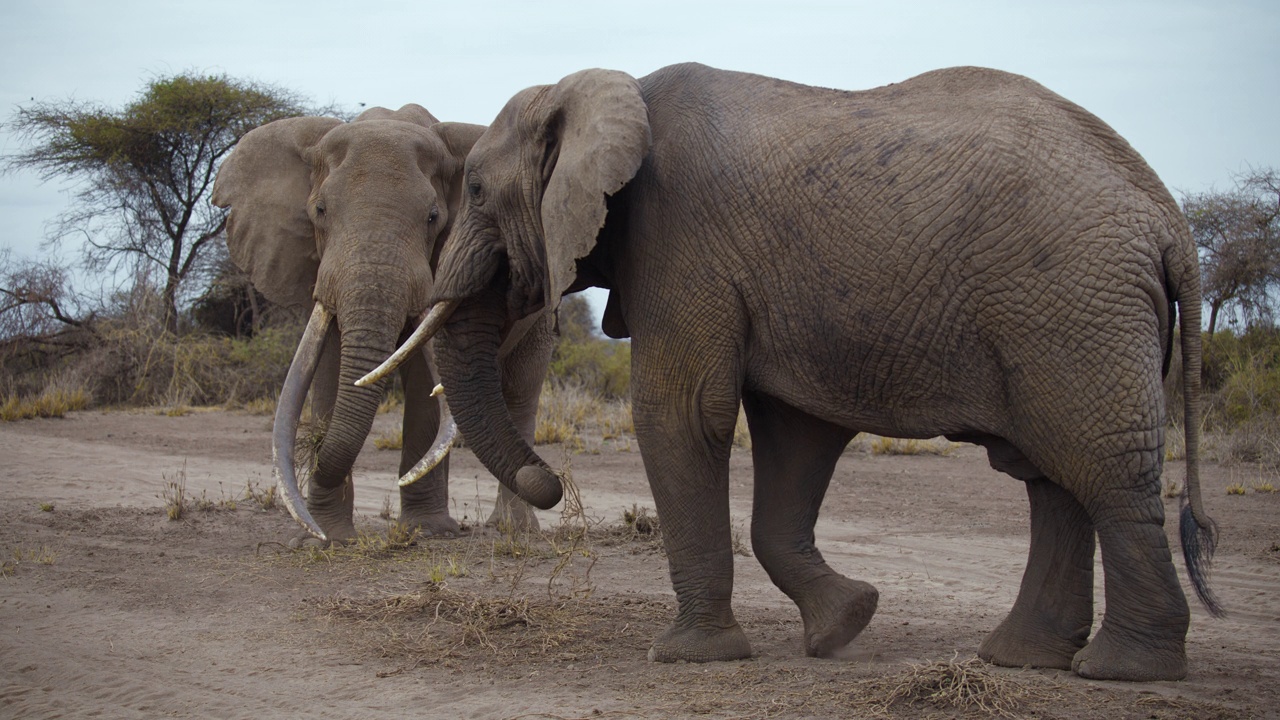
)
(444, 442)
(284, 431)
(429, 326)
(445, 436)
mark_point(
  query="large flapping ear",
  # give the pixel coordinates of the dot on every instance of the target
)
(266, 182)
(597, 134)
(459, 138)
(410, 113)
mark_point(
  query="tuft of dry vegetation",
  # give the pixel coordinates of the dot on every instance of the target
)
(391, 440)
(898, 446)
(174, 494)
(52, 402)
(969, 686)
(264, 498)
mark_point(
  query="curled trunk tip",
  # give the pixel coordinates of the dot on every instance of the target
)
(539, 487)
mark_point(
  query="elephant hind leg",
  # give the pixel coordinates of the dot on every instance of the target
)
(1142, 636)
(794, 456)
(1053, 614)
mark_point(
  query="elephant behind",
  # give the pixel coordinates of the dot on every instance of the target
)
(349, 218)
(964, 254)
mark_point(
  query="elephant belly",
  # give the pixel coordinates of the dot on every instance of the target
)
(897, 389)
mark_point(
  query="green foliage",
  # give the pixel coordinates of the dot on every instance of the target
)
(1241, 375)
(583, 359)
(146, 170)
(1237, 234)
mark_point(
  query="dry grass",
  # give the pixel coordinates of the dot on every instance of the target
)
(437, 624)
(897, 446)
(258, 406)
(390, 440)
(582, 421)
(174, 494)
(264, 498)
(392, 402)
(970, 686)
(40, 556)
(563, 411)
(52, 402)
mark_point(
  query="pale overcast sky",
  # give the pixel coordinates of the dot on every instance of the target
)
(1194, 86)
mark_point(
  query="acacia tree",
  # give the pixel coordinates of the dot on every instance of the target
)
(146, 170)
(1238, 236)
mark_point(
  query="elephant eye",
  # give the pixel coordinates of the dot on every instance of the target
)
(320, 207)
(433, 215)
(475, 190)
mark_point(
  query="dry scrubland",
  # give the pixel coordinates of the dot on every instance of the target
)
(146, 573)
(144, 570)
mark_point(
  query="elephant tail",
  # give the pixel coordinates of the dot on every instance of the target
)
(1199, 533)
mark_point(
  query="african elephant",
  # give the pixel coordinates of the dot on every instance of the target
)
(964, 254)
(352, 217)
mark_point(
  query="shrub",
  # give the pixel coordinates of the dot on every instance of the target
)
(584, 359)
(52, 402)
(137, 365)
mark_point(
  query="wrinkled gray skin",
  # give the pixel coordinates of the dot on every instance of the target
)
(963, 254)
(351, 215)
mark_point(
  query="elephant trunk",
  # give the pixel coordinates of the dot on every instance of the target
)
(467, 353)
(354, 407)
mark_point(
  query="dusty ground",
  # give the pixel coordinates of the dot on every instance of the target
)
(110, 609)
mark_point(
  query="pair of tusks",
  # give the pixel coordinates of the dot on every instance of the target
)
(289, 408)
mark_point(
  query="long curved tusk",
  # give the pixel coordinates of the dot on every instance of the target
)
(429, 326)
(444, 442)
(284, 431)
(445, 435)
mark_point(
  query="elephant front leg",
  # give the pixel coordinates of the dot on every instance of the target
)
(1053, 614)
(794, 457)
(333, 509)
(424, 505)
(686, 458)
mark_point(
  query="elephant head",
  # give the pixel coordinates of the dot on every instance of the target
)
(348, 216)
(536, 188)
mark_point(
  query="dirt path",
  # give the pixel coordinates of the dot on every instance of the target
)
(110, 609)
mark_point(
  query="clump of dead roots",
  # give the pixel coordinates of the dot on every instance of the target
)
(969, 686)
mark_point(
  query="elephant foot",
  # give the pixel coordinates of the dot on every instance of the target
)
(430, 524)
(334, 510)
(1107, 657)
(512, 515)
(1018, 642)
(700, 645)
(835, 614)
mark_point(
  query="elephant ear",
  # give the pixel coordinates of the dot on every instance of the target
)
(596, 129)
(410, 113)
(458, 138)
(266, 182)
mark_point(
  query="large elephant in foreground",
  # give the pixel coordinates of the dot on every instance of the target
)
(964, 254)
(351, 216)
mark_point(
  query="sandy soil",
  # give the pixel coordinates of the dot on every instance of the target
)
(110, 609)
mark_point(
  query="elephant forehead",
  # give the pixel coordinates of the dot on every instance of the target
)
(382, 140)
